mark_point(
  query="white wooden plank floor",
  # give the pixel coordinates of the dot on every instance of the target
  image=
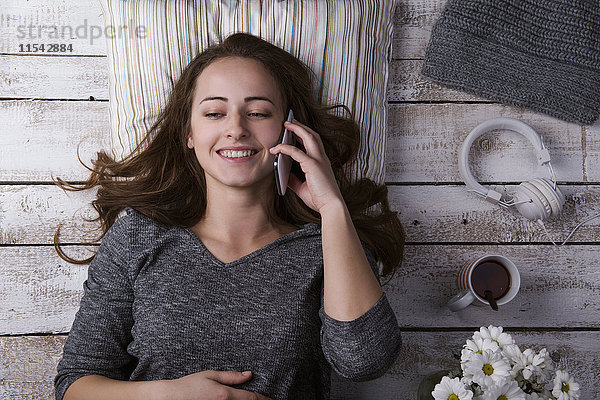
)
(50, 104)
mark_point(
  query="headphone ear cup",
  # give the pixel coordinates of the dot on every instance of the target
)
(553, 196)
(534, 206)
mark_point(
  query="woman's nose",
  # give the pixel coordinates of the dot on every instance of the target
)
(236, 127)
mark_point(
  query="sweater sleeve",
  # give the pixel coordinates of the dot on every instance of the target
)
(101, 331)
(366, 347)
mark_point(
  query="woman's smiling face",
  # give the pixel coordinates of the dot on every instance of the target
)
(237, 116)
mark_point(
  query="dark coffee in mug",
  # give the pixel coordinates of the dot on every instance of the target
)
(490, 275)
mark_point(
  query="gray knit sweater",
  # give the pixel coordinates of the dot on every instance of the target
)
(158, 305)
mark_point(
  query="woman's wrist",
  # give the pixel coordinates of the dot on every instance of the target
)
(156, 390)
(151, 390)
(334, 209)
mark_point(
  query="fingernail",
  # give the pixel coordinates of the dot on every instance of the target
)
(246, 373)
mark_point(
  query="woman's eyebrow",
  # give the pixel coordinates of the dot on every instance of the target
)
(254, 98)
(246, 99)
(209, 98)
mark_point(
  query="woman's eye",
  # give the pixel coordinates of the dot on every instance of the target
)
(213, 115)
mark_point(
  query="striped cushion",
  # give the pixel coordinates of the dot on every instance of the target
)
(347, 43)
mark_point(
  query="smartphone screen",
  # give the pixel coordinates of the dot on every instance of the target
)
(283, 162)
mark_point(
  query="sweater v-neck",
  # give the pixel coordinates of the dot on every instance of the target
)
(304, 229)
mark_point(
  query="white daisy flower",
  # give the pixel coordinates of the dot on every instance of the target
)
(477, 346)
(507, 391)
(536, 365)
(487, 369)
(451, 389)
(466, 358)
(565, 387)
(480, 344)
(528, 368)
(515, 357)
(494, 333)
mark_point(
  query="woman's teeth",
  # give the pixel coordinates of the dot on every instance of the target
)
(236, 154)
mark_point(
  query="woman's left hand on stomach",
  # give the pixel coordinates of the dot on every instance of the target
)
(320, 188)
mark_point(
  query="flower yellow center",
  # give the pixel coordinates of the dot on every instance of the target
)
(565, 387)
(453, 397)
(503, 397)
(488, 369)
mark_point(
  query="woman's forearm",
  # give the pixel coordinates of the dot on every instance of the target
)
(96, 387)
(350, 286)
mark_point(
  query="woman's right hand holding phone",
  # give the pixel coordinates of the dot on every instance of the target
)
(209, 385)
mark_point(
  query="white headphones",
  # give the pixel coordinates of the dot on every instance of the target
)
(538, 199)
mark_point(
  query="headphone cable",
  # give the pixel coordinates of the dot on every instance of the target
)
(539, 221)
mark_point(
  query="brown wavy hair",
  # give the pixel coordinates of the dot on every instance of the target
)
(163, 180)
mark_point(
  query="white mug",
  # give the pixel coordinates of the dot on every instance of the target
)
(467, 285)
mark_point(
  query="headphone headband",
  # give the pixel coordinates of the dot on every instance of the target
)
(510, 124)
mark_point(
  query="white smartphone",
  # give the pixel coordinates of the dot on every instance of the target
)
(283, 162)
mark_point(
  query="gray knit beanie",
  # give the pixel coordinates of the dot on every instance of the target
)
(538, 54)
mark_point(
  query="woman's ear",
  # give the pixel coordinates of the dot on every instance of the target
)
(190, 143)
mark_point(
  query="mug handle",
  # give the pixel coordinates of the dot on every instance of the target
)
(461, 300)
